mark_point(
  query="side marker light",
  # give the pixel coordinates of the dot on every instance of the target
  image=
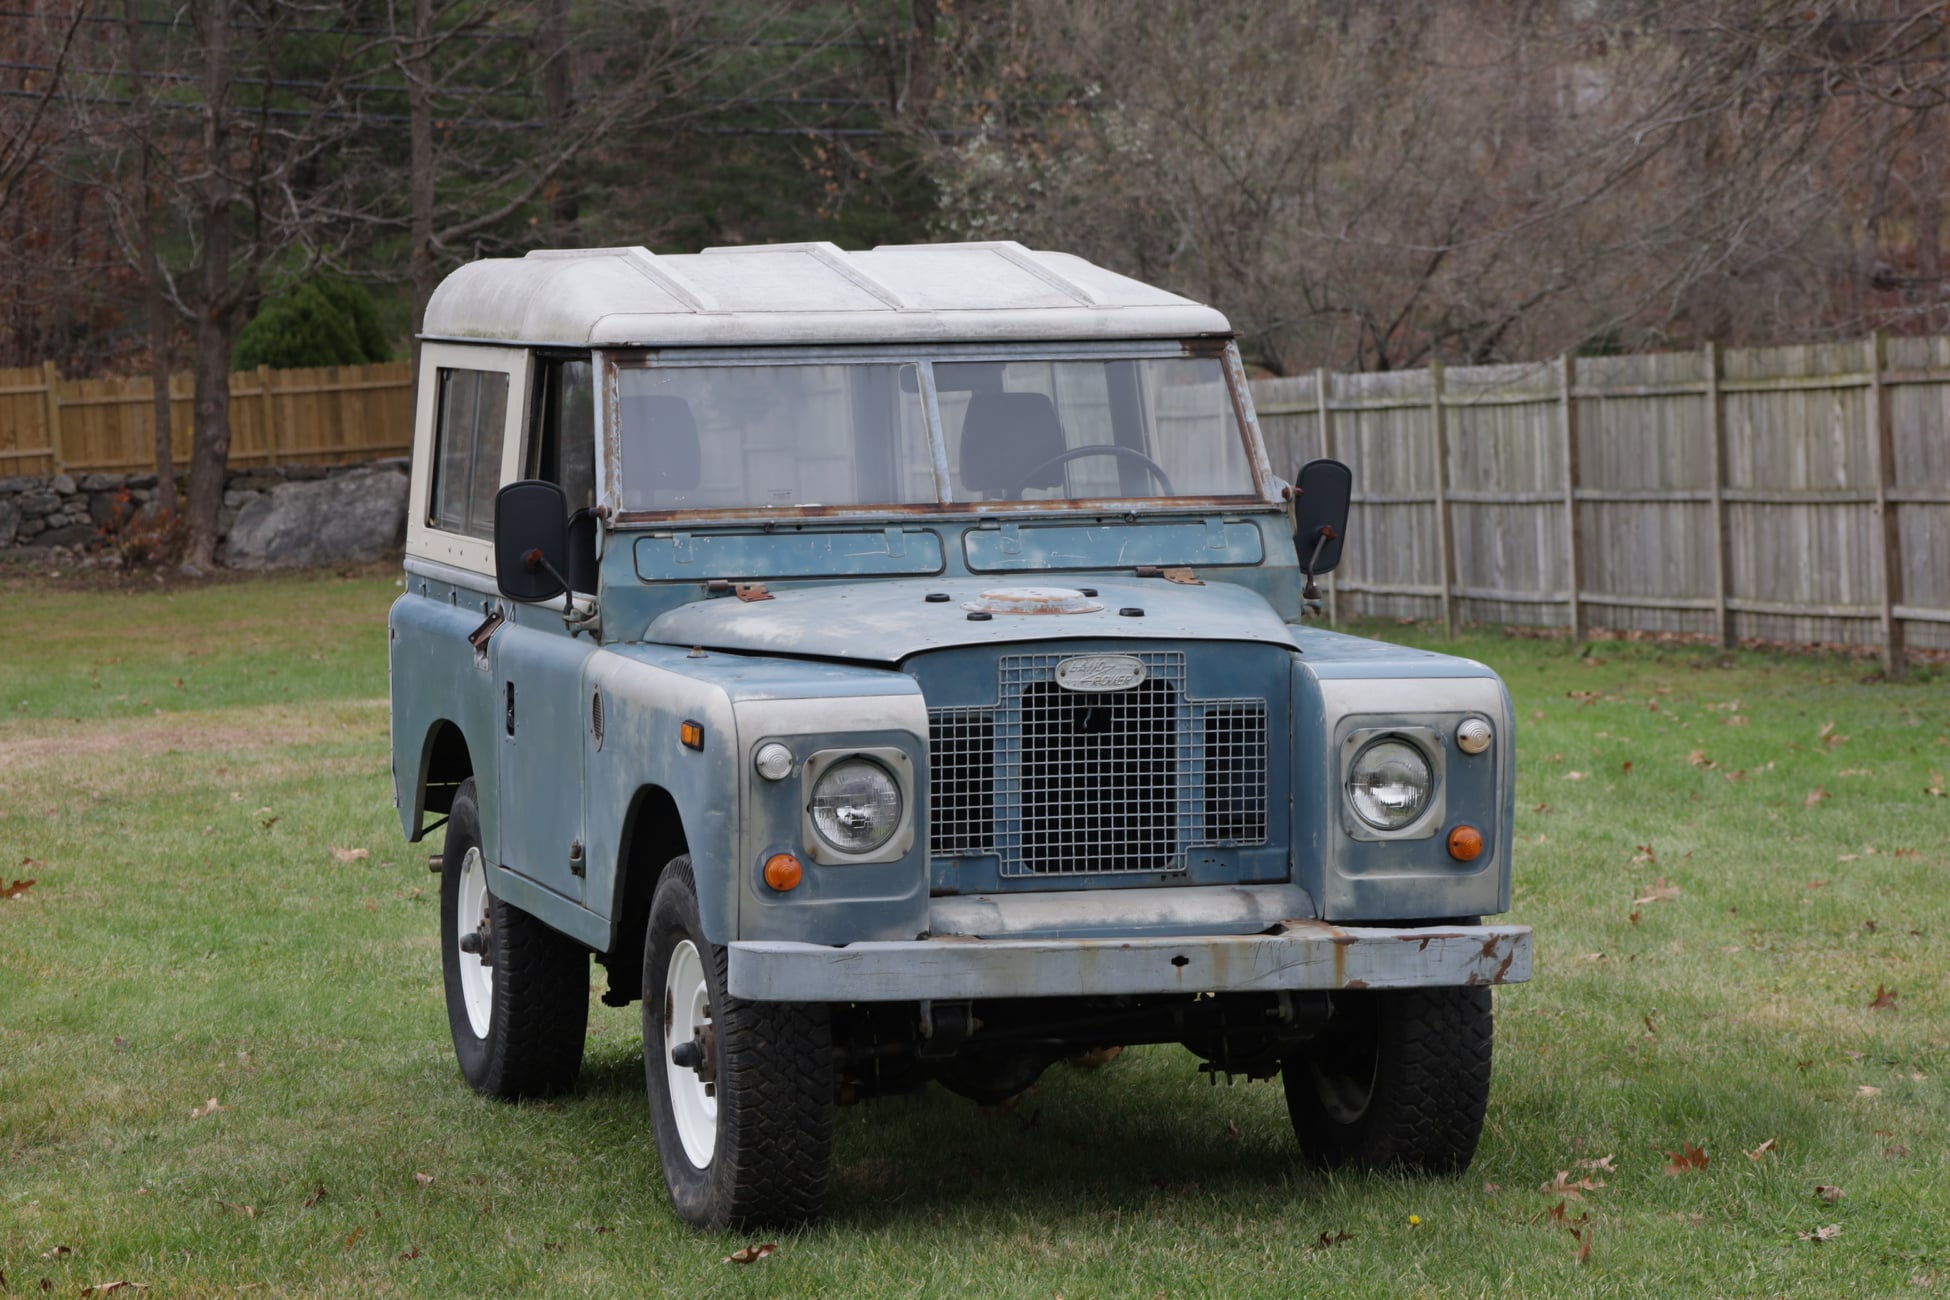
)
(692, 734)
(1465, 844)
(783, 872)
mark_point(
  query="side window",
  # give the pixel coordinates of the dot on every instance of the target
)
(562, 428)
(473, 411)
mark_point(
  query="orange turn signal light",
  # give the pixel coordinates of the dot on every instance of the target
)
(692, 734)
(783, 872)
(1465, 844)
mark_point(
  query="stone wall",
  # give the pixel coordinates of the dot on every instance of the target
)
(66, 516)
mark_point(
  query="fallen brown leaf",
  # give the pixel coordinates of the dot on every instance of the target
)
(1828, 1233)
(1563, 1186)
(247, 1211)
(1096, 1058)
(413, 1253)
(106, 1288)
(1759, 1153)
(1828, 1194)
(424, 1180)
(58, 1252)
(16, 889)
(1633, 918)
(209, 1107)
(1698, 758)
(1661, 892)
(1687, 1159)
(315, 1197)
(351, 855)
(1575, 776)
(1935, 787)
(1815, 796)
(1232, 1130)
(1885, 999)
(751, 1254)
(1867, 1090)
(1603, 1164)
(1896, 1152)
(1332, 1239)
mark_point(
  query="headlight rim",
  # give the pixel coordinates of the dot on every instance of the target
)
(896, 763)
(833, 771)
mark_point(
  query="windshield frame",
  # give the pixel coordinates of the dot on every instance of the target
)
(925, 357)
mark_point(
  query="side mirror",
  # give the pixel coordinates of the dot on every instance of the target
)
(531, 541)
(1320, 518)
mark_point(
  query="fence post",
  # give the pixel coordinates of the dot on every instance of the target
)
(1324, 418)
(1567, 428)
(267, 412)
(51, 378)
(1445, 524)
(1889, 555)
(1717, 483)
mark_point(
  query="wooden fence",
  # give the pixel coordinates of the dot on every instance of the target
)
(326, 415)
(1793, 493)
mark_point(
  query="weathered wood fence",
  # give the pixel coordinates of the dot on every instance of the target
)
(1793, 493)
(326, 415)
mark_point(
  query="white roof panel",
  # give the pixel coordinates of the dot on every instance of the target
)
(804, 293)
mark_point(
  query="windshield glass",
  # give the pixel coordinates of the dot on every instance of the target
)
(789, 436)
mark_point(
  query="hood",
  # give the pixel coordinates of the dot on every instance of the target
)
(886, 621)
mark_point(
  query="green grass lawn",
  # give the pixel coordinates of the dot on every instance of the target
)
(1725, 859)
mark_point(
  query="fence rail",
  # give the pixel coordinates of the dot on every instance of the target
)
(324, 415)
(1796, 493)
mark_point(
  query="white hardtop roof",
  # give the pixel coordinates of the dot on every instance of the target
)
(804, 294)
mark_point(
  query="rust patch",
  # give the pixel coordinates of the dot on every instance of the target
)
(1183, 577)
(1489, 946)
(1354, 984)
(751, 591)
(1503, 971)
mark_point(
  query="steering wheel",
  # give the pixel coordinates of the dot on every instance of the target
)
(1093, 449)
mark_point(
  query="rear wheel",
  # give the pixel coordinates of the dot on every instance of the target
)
(1403, 1082)
(741, 1093)
(517, 991)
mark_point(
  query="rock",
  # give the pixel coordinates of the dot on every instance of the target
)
(61, 483)
(38, 503)
(103, 482)
(102, 508)
(353, 519)
(9, 486)
(142, 480)
(238, 498)
(9, 522)
(305, 473)
(76, 535)
(29, 526)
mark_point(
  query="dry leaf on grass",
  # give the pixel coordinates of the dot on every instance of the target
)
(1885, 999)
(247, 1211)
(1815, 796)
(105, 1288)
(1828, 1194)
(1698, 758)
(16, 889)
(1603, 1164)
(1661, 892)
(1759, 1153)
(1936, 786)
(315, 1197)
(1233, 1131)
(351, 855)
(209, 1107)
(1867, 1090)
(424, 1180)
(1331, 1239)
(1687, 1159)
(58, 1252)
(751, 1254)
(1096, 1058)
(1828, 1233)
(1563, 1186)
(1896, 1152)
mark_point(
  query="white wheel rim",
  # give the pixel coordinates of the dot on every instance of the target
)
(470, 912)
(687, 1009)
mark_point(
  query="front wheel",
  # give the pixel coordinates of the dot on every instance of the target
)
(1400, 1080)
(741, 1093)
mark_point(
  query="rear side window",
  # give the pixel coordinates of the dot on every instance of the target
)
(473, 414)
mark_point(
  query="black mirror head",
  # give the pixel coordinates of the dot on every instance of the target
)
(531, 549)
(1320, 513)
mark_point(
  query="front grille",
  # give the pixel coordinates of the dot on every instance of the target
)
(1059, 782)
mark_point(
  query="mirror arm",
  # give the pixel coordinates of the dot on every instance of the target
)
(534, 559)
(1311, 592)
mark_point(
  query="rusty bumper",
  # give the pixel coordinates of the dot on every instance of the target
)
(1303, 955)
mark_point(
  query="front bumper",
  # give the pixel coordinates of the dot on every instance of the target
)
(1302, 955)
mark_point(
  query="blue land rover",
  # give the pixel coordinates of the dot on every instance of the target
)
(890, 667)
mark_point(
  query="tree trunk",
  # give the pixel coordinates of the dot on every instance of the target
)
(419, 100)
(154, 308)
(558, 100)
(215, 320)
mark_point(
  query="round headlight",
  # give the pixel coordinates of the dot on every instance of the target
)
(856, 806)
(1389, 784)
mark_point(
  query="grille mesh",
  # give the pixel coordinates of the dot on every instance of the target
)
(1060, 782)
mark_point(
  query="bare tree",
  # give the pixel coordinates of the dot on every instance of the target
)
(1376, 185)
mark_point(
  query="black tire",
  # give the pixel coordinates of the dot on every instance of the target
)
(538, 1010)
(773, 1078)
(1400, 1081)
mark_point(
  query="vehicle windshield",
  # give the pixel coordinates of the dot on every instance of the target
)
(790, 436)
